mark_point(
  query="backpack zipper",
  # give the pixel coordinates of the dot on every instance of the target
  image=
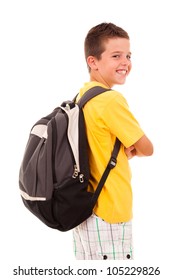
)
(76, 174)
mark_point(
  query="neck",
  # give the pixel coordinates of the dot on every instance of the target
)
(96, 77)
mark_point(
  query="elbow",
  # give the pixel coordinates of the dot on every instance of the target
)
(145, 151)
(149, 151)
(144, 147)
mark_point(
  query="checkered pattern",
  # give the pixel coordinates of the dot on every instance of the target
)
(96, 239)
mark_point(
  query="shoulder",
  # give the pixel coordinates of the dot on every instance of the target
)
(113, 98)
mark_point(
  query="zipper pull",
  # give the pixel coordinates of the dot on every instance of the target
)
(81, 178)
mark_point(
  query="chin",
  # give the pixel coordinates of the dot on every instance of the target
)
(122, 82)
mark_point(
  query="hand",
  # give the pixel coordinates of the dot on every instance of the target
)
(130, 152)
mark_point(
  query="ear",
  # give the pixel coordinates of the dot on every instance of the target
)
(92, 62)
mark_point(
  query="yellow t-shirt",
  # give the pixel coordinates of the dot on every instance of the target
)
(108, 116)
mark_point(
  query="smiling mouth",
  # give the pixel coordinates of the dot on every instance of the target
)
(122, 72)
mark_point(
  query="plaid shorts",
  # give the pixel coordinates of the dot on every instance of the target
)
(96, 239)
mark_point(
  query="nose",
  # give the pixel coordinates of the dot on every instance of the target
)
(125, 61)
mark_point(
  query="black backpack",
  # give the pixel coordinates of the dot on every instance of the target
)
(54, 173)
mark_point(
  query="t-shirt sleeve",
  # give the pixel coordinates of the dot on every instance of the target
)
(121, 122)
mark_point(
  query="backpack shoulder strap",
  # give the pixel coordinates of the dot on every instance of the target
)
(89, 94)
(111, 164)
(113, 159)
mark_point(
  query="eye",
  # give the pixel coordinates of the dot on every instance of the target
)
(128, 57)
(116, 56)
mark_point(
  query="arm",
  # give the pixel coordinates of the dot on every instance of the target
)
(143, 147)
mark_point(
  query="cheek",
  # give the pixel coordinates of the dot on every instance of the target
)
(129, 67)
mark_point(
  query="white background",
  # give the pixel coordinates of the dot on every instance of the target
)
(41, 64)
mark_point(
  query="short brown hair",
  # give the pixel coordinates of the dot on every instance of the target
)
(96, 37)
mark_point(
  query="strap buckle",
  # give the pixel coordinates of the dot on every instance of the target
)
(112, 163)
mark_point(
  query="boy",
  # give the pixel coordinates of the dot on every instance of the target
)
(107, 234)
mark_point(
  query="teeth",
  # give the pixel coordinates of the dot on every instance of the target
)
(122, 72)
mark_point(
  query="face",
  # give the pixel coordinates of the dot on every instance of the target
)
(115, 64)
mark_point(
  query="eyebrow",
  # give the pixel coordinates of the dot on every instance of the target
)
(120, 52)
